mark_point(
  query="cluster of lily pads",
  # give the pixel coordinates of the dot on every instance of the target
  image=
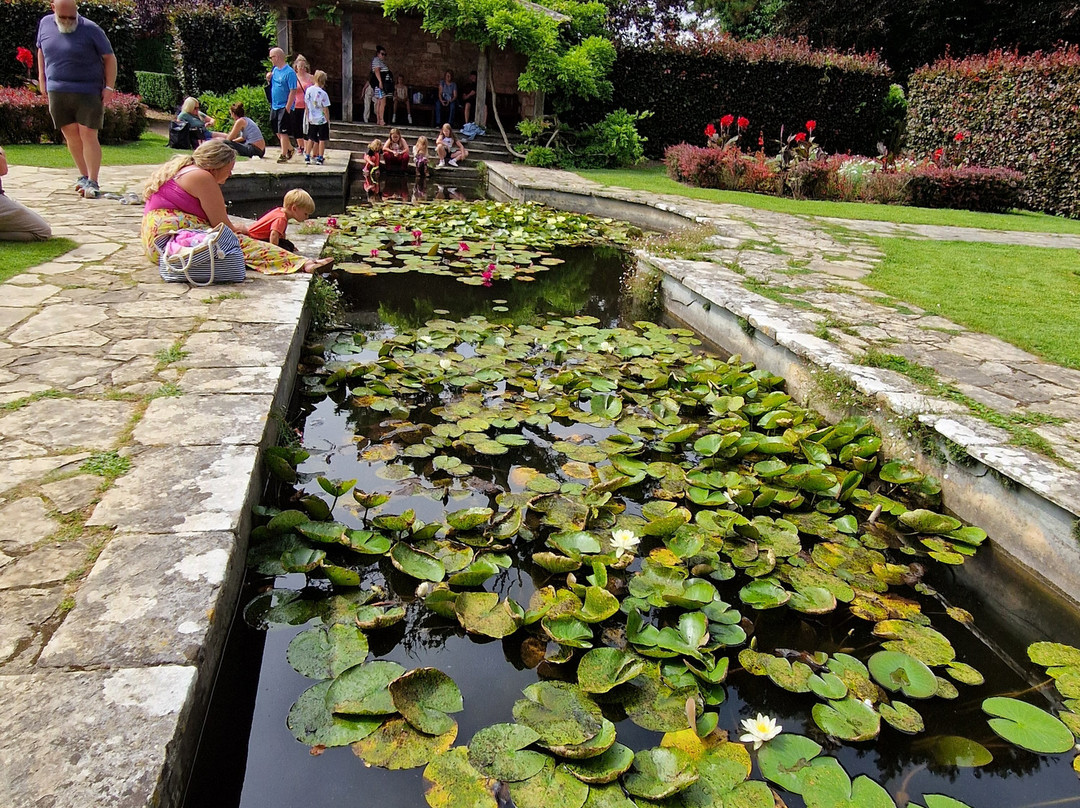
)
(684, 495)
(476, 243)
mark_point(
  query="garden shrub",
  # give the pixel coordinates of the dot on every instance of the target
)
(613, 142)
(843, 178)
(24, 118)
(773, 83)
(158, 90)
(218, 48)
(541, 157)
(255, 105)
(994, 190)
(1020, 112)
(19, 24)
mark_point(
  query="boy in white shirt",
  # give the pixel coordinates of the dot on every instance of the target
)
(318, 115)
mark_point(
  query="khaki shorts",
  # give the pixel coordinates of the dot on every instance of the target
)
(84, 108)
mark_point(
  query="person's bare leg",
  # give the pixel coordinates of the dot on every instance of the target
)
(73, 139)
(91, 150)
(286, 146)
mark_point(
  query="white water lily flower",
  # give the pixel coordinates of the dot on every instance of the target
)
(759, 730)
(445, 364)
(607, 347)
(624, 541)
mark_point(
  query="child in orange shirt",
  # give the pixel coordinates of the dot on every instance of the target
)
(372, 159)
(297, 205)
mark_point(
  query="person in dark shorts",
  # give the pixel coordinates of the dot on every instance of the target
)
(318, 115)
(283, 89)
(468, 97)
(76, 75)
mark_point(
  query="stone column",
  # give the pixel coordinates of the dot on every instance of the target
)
(346, 66)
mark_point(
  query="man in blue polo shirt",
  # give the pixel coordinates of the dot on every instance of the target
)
(76, 74)
(283, 84)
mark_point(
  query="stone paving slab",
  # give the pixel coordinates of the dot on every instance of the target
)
(197, 420)
(94, 738)
(151, 599)
(935, 232)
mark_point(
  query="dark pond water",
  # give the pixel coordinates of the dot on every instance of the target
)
(248, 756)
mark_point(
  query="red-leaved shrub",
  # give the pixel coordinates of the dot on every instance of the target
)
(24, 117)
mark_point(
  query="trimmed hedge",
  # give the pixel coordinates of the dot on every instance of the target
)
(158, 90)
(1015, 111)
(774, 83)
(19, 24)
(847, 179)
(218, 48)
(255, 105)
(24, 118)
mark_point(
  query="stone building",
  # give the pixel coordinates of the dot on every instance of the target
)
(345, 52)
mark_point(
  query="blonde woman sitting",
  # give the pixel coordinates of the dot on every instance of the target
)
(198, 121)
(185, 194)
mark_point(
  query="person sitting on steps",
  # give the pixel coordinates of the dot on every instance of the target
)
(449, 148)
(401, 96)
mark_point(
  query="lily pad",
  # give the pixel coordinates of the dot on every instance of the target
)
(1027, 726)
(953, 750)
(397, 745)
(897, 671)
(325, 652)
(500, 752)
(424, 696)
(483, 613)
(848, 719)
(553, 785)
(659, 773)
(602, 669)
(603, 768)
(560, 713)
(311, 721)
(454, 783)
(902, 717)
(365, 689)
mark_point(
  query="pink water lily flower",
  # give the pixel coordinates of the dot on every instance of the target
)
(331, 222)
(463, 247)
(374, 252)
(397, 228)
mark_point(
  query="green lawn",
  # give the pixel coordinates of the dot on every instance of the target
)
(654, 178)
(147, 150)
(1027, 296)
(19, 256)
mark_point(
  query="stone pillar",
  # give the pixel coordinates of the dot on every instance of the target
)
(283, 38)
(482, 66)
(346, 66)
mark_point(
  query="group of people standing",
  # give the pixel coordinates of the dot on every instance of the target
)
(299, 108)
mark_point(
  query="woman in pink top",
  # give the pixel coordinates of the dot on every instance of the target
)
(305, 80)
(185, 193)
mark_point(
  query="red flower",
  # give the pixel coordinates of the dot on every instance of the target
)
(800, 137)
(959, 137)
(710, 131)
(761, 140)
(938, 153)
(374, 252)
(743, 122)
(727, 120)
(25, 56)
(811, 126)
(463, 247)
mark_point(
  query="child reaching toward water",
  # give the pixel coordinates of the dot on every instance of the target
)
(297, 205)
(420, 155)
(372, 159)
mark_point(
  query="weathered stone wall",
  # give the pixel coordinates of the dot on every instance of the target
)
(411, 52)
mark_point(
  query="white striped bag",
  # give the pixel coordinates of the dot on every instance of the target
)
(218, 259)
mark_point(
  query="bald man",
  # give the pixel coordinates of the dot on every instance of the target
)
(76, 74)
(283, 90)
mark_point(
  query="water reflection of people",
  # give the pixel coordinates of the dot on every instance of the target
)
(448, 192)
(419, 191)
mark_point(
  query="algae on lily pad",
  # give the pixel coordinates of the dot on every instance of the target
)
(601, 669)
(499, 751)
(553, 785)
(561, 713)
(606, 767)
(424, 696)
(325, 652)
(454, 783)
(659, 773)
(397, 745)
(312, 722)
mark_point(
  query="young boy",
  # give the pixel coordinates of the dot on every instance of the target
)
(318, 111)
(297, 205)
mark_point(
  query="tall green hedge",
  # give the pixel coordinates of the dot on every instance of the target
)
(18, 28)
(218, 48)
(158, 90)
(1016, 111)
(773, 83)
